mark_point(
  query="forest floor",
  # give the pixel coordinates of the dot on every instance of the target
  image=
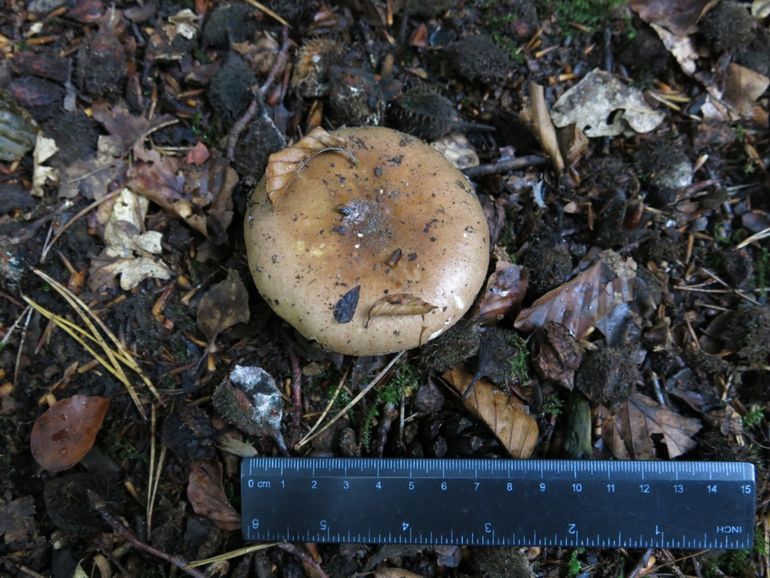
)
(619, 151)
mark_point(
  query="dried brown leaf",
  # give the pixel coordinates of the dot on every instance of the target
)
(536, 116)
(284, 165)
(680, 16)
(66, 432)
(207, 496)
(640, 423)
(399, 304)
(557, 354)
(506, 416)
(395, 573)
(743, 87)
(224, 305)
(504, 291)
(580, 303)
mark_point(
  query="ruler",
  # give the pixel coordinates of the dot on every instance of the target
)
(607, 504)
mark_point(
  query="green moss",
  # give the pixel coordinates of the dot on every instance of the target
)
(574, 566)
(552, 405)
(520, 361)
(589, 13)
(754, 417)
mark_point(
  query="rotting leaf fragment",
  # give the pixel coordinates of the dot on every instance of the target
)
(399, 304)
(345, 308)
(284, 165)
(66, 432)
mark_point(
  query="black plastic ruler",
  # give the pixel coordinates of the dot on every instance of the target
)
(608, 504)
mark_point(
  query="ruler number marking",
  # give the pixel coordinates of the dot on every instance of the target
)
(645, 488)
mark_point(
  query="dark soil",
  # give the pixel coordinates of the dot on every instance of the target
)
(184, 102)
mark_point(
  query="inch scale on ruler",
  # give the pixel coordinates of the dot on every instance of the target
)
(608, 504)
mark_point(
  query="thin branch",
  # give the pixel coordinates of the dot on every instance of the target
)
(505, 166)
(122, 530)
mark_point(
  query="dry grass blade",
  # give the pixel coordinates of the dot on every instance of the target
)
(84, 312)
(231, 554)
(763, 234)
(153, 476)
(326, 410)
(262, 8)
(50, 243)
(111, 365)
(355, 400)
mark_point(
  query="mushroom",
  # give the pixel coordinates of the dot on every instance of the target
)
(366, 240)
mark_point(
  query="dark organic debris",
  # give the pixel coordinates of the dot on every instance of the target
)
(345, 308)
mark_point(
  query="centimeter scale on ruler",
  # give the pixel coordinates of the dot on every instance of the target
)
(609, 504)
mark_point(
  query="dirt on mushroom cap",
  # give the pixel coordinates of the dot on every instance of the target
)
(401, 223)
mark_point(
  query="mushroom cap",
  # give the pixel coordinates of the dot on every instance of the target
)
(401, 230)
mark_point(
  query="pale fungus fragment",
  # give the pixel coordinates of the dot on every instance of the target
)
(372, 244)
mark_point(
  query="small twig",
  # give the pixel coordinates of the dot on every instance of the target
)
(355, 400)
(642, 564)
(22, 340)
(281, 59)
(305, 557)
(296, 393)
(60, 232)
(505, 166)
(239, 127)
(122, 530)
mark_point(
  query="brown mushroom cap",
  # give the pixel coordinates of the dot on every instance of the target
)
(401, 229)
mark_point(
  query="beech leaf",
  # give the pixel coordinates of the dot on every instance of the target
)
(207, 496)
(66, 432)
(634, 429)
(285, 164)
(580, 303)
(506, 416)
(504, 291)
(224, 305)
(399, 304)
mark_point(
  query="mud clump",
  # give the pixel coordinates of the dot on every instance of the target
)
(661, 251)
(227, 24)
(727, 26)
(549, 266)
(101, 65)
(452, 348)
(255, 145)
(479, 58)
(75, 135)
(646, 54)
(230, 90)
(607, 376)
(664, 168)
(748, 334)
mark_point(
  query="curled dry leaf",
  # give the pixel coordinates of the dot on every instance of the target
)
(580, 303)
(639, 424)
(399, 304)
(536, 116)
(284, 165)
(66, 432)
(224, 305)
(504, 291)
(680, 16)
(207, 496)
(506, 416)
(557, 354)
(601, 105)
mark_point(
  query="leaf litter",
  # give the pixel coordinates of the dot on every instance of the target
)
(156, 187)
